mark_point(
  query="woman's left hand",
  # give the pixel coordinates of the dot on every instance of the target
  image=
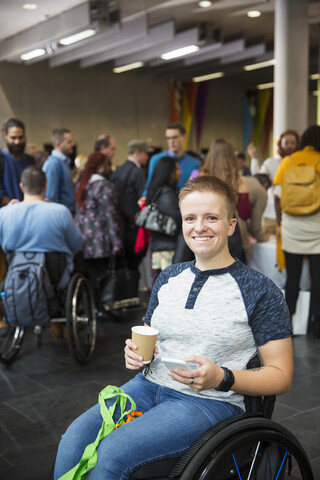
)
(207, 376)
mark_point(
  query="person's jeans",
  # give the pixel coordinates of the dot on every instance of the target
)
(170, 423)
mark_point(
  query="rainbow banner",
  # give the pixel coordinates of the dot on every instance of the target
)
(176, 94)
(188, 103)
(258, 119)
(188, 107)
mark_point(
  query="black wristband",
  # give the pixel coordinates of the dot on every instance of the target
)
(227, 382)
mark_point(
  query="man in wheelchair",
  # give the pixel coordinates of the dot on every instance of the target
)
(216, 314)
(38, 226)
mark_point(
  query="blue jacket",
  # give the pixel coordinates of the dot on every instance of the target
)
(12, 169)
(186, 163)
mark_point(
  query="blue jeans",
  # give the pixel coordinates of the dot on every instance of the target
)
(170, 423)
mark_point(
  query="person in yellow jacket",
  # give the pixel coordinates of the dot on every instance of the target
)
(301, 233)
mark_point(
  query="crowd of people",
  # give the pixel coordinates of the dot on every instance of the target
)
(210, 310)
(102, 200)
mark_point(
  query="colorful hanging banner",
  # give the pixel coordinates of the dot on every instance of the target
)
(258, 119)
(188, 103)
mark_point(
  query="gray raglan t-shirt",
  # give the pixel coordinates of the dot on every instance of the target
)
(223, 315)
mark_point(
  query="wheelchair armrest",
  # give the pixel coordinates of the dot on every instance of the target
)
(259, 404)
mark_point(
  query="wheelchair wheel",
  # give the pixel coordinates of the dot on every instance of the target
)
(250, 448)
(11, 344)
(81, 319)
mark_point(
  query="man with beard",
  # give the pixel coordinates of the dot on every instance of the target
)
(13, 160)
(60, 187)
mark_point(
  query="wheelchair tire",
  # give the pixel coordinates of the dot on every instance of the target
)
(80, 319)
(240, 449)
(11, 344)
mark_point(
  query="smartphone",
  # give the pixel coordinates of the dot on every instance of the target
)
(173, 363)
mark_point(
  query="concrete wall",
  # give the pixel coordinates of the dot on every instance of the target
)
(89, 102)
(94, 101)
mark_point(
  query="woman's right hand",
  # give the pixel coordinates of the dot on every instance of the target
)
(132, 359)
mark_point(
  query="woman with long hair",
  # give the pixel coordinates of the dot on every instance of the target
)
(162, 191)
(221, 162)
(98, 215)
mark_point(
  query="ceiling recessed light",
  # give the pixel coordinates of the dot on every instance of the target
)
(205, 3)
(129, 66)
(33, 54)
(77, 37)
(30, 6)
(265, 86)
(257, 66)
(180, 52)
(254, 13)
(209, 76)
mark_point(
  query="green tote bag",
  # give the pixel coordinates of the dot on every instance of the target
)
(89, 457)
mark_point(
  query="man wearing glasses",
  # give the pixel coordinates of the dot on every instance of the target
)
(175, 136)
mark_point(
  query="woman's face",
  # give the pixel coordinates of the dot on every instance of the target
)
(289, 144)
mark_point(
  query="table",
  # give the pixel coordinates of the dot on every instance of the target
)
(263, 259)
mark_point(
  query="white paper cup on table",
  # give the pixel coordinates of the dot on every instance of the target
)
(145, 338)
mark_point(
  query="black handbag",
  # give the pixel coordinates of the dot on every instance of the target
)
(153, 220)
(119, 287)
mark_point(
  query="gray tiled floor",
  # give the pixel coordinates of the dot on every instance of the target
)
(44, 390)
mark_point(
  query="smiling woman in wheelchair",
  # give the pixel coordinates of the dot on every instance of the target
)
(215, 313)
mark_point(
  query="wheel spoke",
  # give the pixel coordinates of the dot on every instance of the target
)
(234, 459)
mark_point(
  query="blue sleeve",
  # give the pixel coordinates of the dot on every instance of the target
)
(190, 165)
(52, 170)
(73, 235)
(266, 307)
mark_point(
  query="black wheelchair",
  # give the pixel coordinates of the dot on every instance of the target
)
(76, 311)
(249, 446)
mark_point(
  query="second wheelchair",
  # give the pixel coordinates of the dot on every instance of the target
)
(75, 308)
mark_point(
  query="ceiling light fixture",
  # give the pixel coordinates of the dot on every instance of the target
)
(205, 3)
(265, 86)
(180, 52)
(33, 54)
(210, 76)
(257, 66)
(30, 6)
(77, 37)
(126, 68)
(254, 13)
